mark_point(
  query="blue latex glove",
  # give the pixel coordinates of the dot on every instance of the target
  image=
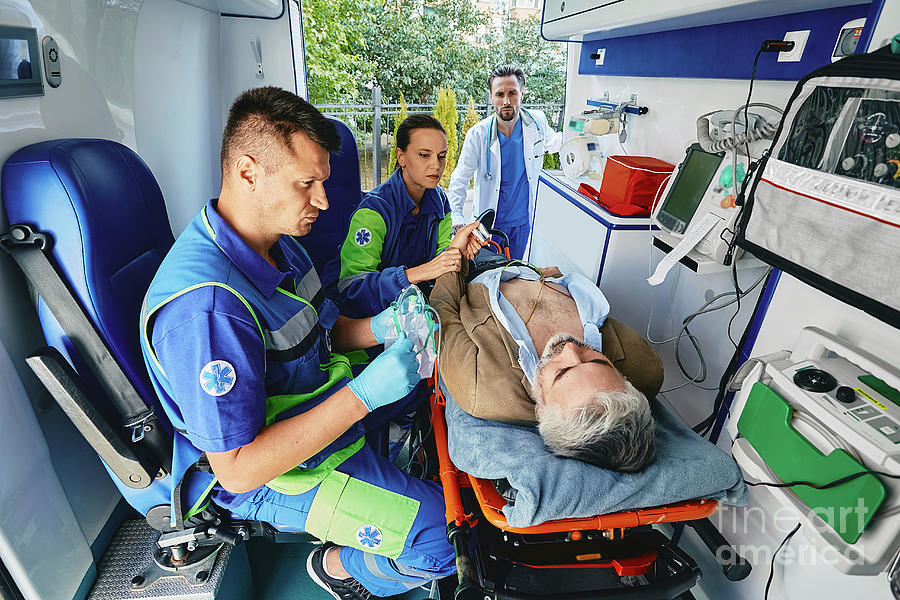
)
(380, 322)
(391, 376)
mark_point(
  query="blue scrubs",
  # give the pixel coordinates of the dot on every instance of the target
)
(512, 204)
(225, 336)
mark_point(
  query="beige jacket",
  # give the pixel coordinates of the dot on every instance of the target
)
(479, 358)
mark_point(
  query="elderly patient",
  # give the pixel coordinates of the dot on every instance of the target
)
(588, 405)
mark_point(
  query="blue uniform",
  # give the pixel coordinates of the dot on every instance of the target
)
(384, 239)
(512, 204)
(233, 344)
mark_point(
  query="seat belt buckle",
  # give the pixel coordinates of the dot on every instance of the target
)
(139, 425)
(23, 235)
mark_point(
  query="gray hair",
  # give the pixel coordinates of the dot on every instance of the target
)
(613, 430)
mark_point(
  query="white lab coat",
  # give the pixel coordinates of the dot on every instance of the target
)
(537, 137)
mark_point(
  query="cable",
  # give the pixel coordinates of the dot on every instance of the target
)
(700, 377)
(824, 486)
(774, 554)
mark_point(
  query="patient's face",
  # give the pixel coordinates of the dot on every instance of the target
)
(570, 372)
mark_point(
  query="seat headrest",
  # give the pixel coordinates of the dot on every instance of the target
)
(344, 195)
(110, 231)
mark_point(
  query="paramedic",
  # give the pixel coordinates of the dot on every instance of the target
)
(588, 405)
(400, 234)
(237, 335)
(505, 153)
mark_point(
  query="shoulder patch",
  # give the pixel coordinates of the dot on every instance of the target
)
(217, 377)
(362, 237)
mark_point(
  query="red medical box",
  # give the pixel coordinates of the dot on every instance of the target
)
(630, 184)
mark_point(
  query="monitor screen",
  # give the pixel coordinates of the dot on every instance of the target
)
(20, 67)
(15, 59)
(687, 190)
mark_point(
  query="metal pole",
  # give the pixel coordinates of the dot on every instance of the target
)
(376, 135)
(487, 104)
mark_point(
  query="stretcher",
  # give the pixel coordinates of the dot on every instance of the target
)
(617, 555)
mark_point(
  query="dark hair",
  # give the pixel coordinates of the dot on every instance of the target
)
(410, 124)
(261, 122)
(506, 71)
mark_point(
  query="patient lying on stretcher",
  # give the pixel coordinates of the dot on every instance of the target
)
(588, 405)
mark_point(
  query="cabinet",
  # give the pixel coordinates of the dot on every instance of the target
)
(575, 234)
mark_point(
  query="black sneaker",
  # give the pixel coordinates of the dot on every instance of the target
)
(341, 589)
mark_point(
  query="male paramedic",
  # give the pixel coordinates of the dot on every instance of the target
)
(505, 153)
(587, 404)
(237, 334)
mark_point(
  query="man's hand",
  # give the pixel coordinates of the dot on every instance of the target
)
(466, 242)
(447, 261)
(391, 376)
(456, 228)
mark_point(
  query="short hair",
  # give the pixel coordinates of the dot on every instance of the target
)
(506, 71)
(261, 122)
(413, 122)
(614, 430)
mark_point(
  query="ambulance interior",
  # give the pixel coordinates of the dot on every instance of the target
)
(787, 358)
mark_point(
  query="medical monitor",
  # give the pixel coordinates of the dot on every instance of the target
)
(684, 194)
(20, 63)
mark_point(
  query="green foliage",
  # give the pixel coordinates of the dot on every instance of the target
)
(392, 152)
(445, 112)
(336, 48)
(471, 118)
(415, 47)
(519, 42)
(551, 161)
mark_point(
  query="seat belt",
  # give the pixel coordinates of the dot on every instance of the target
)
(28, 247)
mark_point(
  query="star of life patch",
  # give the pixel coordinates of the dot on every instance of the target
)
(217, 377)
(362, 237)
(369, 536)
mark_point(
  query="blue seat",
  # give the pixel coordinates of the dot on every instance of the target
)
(344, 193)
(105, 213)
(106, 216)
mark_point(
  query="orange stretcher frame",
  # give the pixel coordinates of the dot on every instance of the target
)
(491, 503)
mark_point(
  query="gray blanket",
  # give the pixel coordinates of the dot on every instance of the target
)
(549, 487)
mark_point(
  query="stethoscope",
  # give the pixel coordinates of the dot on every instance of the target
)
(493, 135)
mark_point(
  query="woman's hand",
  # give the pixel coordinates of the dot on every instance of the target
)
(447, 261)
(466, 242)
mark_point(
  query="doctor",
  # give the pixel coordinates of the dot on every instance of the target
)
(505, 153)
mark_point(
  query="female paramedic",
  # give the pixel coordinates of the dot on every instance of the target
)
(400, 234)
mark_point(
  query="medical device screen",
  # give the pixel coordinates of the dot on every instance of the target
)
(687, 190)
(20, 71)
(15, 60)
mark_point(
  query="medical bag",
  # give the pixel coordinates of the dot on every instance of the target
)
(824, 201)
(630, 183)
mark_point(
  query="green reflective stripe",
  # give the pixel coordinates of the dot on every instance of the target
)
(196, 508)
(209, 228)
(444, 234)
(357, 357)
(345, 508)
(146, 325)
(276, 405)
(297, 480)
(356, 258)
(296, 297)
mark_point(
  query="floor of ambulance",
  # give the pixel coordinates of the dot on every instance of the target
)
(279, 572)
